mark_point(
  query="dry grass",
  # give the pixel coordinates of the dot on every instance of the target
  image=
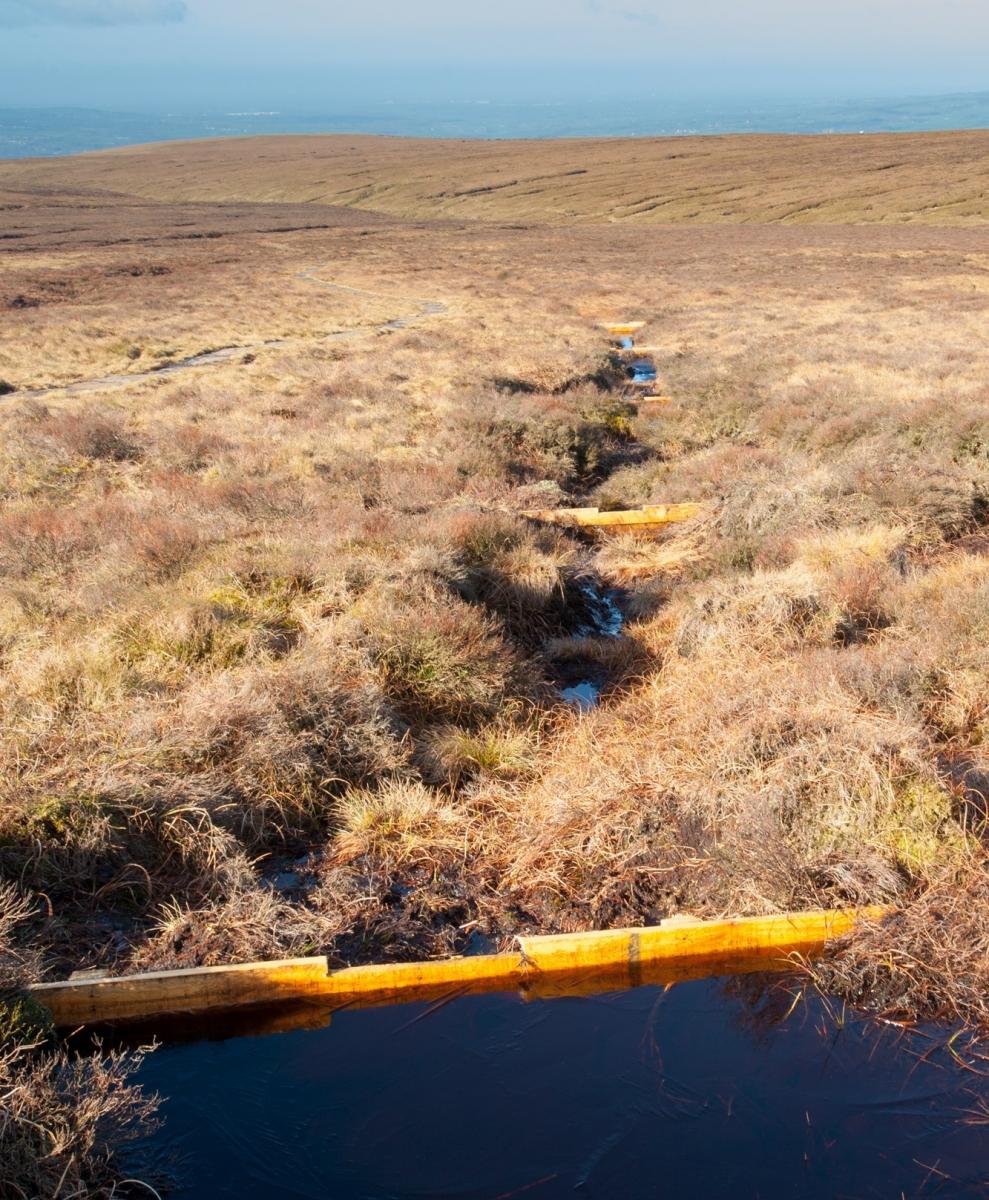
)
(63, 1116)
(930, 960)
(63, 1120)
(288, 605)
(930, 178)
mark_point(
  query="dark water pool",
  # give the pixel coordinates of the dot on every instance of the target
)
(643, 370)
(701, 1090)
(580, 678)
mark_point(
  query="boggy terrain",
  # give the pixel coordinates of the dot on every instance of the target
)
(281, 654)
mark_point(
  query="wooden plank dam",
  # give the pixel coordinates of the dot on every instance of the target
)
(624, 330)
(590, 518)
(676, 949)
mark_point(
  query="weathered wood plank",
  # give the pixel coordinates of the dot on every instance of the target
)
(650, 514)
(624, 330)
(676, 949)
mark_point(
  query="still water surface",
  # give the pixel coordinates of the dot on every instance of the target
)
(701, 1090)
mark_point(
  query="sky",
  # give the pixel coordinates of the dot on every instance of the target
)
(144, 54)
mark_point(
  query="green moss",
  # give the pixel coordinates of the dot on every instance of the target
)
(57, 818)
(919, 830)
(223, 628)
(909, 824)
(613, 415)
(269, 600)
(23, 1021)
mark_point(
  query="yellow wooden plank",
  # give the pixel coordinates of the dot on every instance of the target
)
(690, 940)
(80, 1002)
(625, 330)
(675, 949)
(649, 514)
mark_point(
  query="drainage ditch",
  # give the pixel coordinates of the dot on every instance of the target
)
(580, 675)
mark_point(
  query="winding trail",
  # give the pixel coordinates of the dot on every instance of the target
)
(423, 310)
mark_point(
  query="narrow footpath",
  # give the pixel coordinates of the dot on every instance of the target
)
(421, 310)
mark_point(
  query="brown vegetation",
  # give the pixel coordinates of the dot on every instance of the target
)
(280, 654)
(63, 1116)
(927, 178)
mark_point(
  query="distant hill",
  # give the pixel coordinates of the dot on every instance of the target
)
(928, 178)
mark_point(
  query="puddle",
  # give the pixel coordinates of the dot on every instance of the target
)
(292, 877)
(580, 679)
(697, 1090)
(604, 614)
(584, 695)
(642, 370)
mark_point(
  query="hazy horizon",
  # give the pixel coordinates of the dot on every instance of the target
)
(44, 132)
(251, 54)
(91, 74)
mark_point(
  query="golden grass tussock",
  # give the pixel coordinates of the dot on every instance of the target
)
(626, 559)
(401, 825)
(453, 755)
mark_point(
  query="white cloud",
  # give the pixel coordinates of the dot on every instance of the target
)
(90, 12)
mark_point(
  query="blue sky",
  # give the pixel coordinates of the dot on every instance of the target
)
(305, 53)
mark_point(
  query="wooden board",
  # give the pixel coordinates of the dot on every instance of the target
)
(676, 949)
(625, 330)
(650, 514)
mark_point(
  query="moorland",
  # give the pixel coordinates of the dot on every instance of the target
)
(281, 655)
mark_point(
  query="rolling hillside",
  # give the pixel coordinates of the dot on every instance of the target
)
(931, 178)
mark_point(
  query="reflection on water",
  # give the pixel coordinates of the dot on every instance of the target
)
(703, 1089)
(583, 695)
(579, 677)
